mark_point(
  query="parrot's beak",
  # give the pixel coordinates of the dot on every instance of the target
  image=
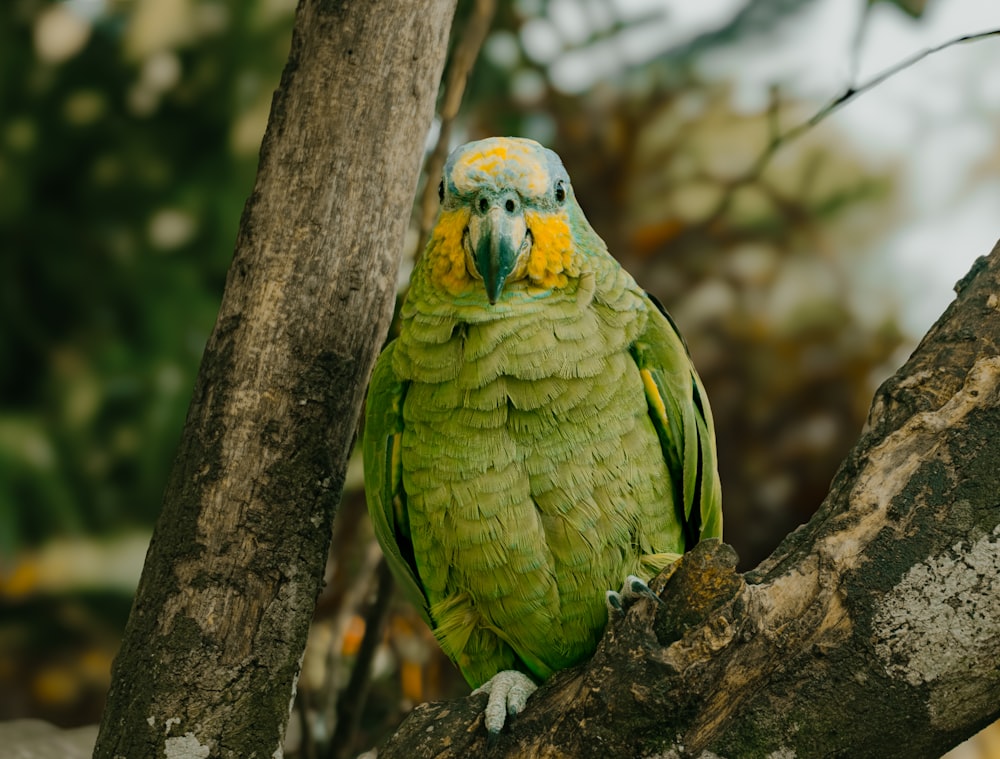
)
(497, 240)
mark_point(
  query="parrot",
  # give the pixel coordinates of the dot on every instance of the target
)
(535, 433)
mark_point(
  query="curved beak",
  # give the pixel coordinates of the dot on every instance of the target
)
(495, 240)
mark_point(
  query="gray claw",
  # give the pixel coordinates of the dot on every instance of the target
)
(633, 589)
(614, 602)
(637, 589)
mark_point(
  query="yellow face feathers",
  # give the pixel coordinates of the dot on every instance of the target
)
(446, 253)
(551, 258)
(504, 219)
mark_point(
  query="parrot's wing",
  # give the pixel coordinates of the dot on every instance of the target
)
(384, 478)
(678, 407)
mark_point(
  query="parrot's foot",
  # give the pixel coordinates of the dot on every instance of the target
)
(508, 691)
(632, 590)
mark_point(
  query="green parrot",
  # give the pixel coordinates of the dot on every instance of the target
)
(536, 433)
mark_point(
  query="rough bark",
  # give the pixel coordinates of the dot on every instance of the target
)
(219, 623)
(872, 631)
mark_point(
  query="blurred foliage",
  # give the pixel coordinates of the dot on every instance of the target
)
(128, 143)
(128, 146)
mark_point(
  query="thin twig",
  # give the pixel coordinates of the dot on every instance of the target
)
(858, 42)
(854, 91)
(366, 576)
(464, 58)
(778, 139)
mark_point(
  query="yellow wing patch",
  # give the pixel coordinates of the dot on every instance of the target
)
(552, 260)
(653, 393)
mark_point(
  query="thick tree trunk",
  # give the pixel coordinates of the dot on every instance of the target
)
(873, 631)
(213, 644)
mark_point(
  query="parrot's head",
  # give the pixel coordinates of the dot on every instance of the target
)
(505, 217)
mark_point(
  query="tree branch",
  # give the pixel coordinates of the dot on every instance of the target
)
(874, 630)
(213, 644)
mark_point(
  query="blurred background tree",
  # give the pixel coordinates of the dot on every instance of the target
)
(128, 144)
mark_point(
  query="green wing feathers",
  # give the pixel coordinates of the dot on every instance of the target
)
(681, 415)
(384, 477)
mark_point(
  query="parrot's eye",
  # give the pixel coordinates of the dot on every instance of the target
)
(441, 191)
(483, 204)
(560, 192)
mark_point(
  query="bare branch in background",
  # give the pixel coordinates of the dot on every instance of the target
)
(466, 52)
(858, 42)
(853, 91)
(351, 702)
(778, 139)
